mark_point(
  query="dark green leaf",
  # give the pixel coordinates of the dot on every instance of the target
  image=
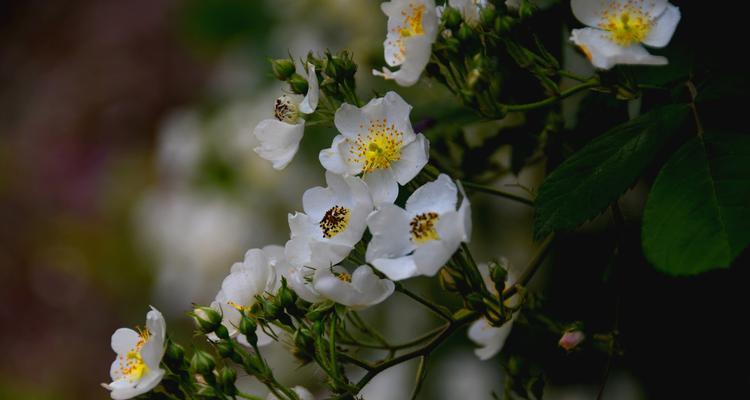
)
(591, 179)
(697, 217)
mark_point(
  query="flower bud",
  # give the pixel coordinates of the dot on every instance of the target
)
(202, 362)
(451, 17)
(303, 341)
(499, 275)
(487, 16)
(225, 348)
(206, 319)
(222, 332)
(298, 84)
(283, 68)
(247, 327)
(286, 296)
(571, 339)
(227, 377)
(465, 33)
(503, 24)
(526, 9)
(174, 351)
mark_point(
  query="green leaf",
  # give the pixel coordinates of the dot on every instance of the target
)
(586, 183)
(697, 217)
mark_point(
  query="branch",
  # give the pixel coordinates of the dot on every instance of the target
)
(531, 268)
(497, 192)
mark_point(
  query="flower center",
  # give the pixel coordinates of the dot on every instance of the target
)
(628, 25)
(286, 110)
(132, 366)
(424, 227)
(412, 25)
(345, 277)
(379, 148)
(335, 221)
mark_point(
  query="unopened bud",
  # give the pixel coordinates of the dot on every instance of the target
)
(499, 275)
(487, 16)
(571, 339)
(248, 326)
(202, 363)
(503, 24)
(227, 377)
(446, 280)
(298, 84)
(283, 68)
(465, 33)
(526, 9)
(206, 319)
(225, 348)
(174, 351)
(286, 296)
(451, 17)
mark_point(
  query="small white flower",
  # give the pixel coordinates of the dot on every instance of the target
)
(378, 142)
(301, 392)
(300, 279)
(359, 290)
(491, 339)
(280, 136)
(252, 277)
(619, 28)
(422, 238)
(469, 9)
(412, 29)
(136, 369)
(333, 222)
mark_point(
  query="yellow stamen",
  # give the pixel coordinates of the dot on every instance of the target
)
(344, 277)
(379, 148)
(627, 23)
(335, 221)
(424, 227)
(132, 366)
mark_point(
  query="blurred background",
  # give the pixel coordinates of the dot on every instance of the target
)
(127, 178)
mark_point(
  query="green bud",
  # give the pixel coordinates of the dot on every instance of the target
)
(526, 9)
(447, 282)
(487, 16)
(174, 351)
(206, 319)
(222, 332)
(227, 377)
(499, 275)
(286, 296)
(298, 84)
(303, 341)
(465, 33)
(453, 45)
(451, 18)
(248, 325)
(271, 310)
(503, 24)
(283, 68)
(202, 362)
(225, 348)
(318, 328)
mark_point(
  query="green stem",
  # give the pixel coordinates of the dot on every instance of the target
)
(421, 374)
(573, 76)
(414, 342)
(497, 192)
(550, 100)
(531, 268)
(248, 396)
(432, 307)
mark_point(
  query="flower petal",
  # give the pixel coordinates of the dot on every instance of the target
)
(433, 255)
(310, 102)
(439, 196)
(663, 27)
(389, 226)
(279, 141)
(414, 157)
(490, 339)
(124, 340)
(604, 54)
(397, 268)
(332, 159)
(383, 186)
(349, 120)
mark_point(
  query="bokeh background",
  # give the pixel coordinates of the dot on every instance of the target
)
(127, 178)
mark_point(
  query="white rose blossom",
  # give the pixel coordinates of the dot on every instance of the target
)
(412, 29)
(378, 142)
(359, 290)
(491, 339)
(136, 369)
(618, 29)
(280, 136)
(252, 277)
(420, 239)
(333, 222)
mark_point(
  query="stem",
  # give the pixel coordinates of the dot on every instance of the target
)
(550, 100)
(366, 329)
(573, 76)
(531, 268)
(693, 94)
(452, 327)
(421, 374)
(434, 308)
(419, 340)
(497, 192)
(248, 396)
(356, 361)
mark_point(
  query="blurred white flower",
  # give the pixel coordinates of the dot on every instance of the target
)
(469, 9)
(378, 142)
(422, 238)
(136, 369)
(280, 136)
(252, 277)
(333, 222)
(301, 392)
(359, 290)
(300, 279)
(412, 29)
(491, 339)
(618, 28)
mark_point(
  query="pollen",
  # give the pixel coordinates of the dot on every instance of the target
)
(335, 221)
(132, 366)
(424, 227)
(286, 110)
(379, 148)
(411, 25)
(627, 23)
(344, 277)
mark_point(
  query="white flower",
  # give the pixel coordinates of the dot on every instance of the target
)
(252, 277)
(333, 222)
(422, 238)
(378, 142)
(280, 136)
(136, 369)
(301, 392)
(412, 28)
(469, 9)
(300, 279)
(618, 28)
(359, 290)
(491, 339)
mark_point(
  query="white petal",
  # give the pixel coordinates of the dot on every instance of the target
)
(301, 225)
(433, 255)
(389, 226)
(279, 141)
(439, 196)
(464, 216)
(156, 324)
(490, 339)
(122, 389)
(364, 290)
(124, 340)
(332, 159)
(604, 54)
(325, 254)
(396, 108)
(414, 157)
(316, 201)
(417, 55)
(310, 102)
(663, 27)
(375, 288)
(152, 352)
(397, 268)
(349, 120)
(298, 281)
(297, 251)
(383, 186)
